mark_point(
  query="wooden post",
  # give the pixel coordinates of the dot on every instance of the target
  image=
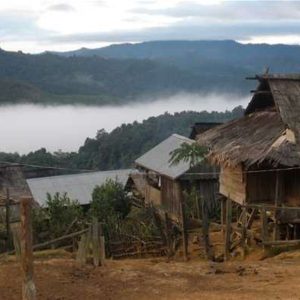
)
(227, 229)
(244, 230)
(7, 220)
(81, 255)
(223, 215)
(278, 188)
(167, 233)
(28, 287)
(96, 242)
(102, 245)
(264, 224)
(184, 231)
(198, 206)
(205, 229)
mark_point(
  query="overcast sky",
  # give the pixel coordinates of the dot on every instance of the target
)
(38, 25)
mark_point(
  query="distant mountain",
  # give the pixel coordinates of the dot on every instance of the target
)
(90, 80)
(127, 72)
(194, 54)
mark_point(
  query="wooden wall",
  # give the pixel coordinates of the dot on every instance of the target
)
(292, 188)
(261, 187)
(208, 190)
(233, 184)
(153, 195)
(171, 195)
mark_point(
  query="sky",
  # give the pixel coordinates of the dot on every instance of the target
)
(33, 26)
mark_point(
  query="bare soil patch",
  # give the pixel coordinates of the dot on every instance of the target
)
(60, 278)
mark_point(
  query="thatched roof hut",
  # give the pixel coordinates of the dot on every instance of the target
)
(268, 133)
(267, 138)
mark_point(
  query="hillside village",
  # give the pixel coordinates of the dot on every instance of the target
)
(223, 201)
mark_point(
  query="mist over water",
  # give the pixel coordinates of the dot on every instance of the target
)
(25, 128)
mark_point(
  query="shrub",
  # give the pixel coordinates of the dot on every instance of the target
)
(110, 201)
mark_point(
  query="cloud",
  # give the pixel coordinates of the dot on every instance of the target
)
(61, 7)
(188, 30)
(19, 24)
(229, 10)
(84, 23)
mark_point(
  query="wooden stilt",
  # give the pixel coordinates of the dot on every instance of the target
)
(28, 287)
(223, 215)
(228, 229)
(264, 224)
(278, 187)
(198, 207)
(184, 231)
(244, 231)
(168, 235)
(205, 230)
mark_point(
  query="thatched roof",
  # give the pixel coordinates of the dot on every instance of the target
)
(201, 127)
(269, 131)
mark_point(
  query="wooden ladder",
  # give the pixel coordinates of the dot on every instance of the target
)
(250, 215)
(236, 234)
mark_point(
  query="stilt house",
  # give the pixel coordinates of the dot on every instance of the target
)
(259, 155)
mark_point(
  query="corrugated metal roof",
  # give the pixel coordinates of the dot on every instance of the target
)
(157, 159)
(78, 186)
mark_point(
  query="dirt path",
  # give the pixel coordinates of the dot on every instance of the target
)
(61, 279)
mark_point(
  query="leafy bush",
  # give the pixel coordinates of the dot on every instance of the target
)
(59, 216)
(110, 201)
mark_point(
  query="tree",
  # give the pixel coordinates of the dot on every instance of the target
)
(110, 201)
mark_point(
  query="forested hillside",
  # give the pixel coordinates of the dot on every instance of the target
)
(123, 73)
(119, 148)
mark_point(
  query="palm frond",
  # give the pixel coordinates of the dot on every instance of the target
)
(191, 153)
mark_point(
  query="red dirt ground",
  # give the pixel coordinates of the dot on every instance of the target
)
(62, 279)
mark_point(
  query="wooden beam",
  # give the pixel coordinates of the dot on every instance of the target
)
(54, 241)
(272, 207)
(256, 92)
(228, 229)
(282, 243)
(28, 286)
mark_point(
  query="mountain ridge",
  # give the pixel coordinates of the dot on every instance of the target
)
(119, 74)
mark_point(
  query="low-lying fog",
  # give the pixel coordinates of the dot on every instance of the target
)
(27, 127)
